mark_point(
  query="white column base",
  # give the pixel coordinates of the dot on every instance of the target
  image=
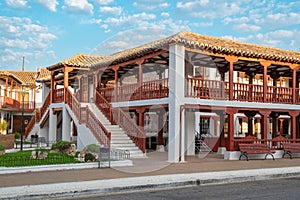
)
(160, 148)
(221, 150)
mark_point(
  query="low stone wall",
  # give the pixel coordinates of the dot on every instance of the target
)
(8, 141)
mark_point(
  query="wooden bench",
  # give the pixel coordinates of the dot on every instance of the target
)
(246, 149)
(289, 148)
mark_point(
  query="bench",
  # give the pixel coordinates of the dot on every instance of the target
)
(246, 149)
(289, 148)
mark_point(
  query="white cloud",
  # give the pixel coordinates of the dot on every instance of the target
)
(246, 27)
(139, 19)
(165, 14)
(111, 10)
(103, 2)
(18, 4)
(78, 6)
(49, 4)
(129, 39)
(152, 5)
(91, 21)
(209, 9)
(21, 37)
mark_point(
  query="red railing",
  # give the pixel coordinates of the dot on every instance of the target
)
(210, 89)
(128, 92)
(84, 115)
(97, 128)
(135, 132)
(280, 94)
(206, 89)
(58, 95)
(39, 113)
(118, 116)
(104, 106)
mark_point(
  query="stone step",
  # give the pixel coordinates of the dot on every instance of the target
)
(119, 138)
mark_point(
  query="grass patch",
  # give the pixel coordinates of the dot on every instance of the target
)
(22, 158)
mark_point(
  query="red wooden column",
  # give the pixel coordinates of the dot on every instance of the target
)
(141, 111)
(265, 64)
(294, 85)
(10, 90)
(52, 87)
(34, 96)
(66, 81)
(264, 123)
(6, 86)
(231, 60)
(293, 115)
(95, 83)
(230, 112)
(116, 68)
(140, 63)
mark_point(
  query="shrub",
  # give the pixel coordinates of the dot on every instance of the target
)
(93, 148)
(61, 146)
(2, 147)
(17, 135)
(89, 157)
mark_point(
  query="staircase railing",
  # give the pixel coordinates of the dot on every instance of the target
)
(134, 131)
(38, 114)
(85, 115)
(104, 106)
(118, 116)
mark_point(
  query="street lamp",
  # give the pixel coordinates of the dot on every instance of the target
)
(23, 92)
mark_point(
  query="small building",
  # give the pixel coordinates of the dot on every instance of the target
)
(19, 93)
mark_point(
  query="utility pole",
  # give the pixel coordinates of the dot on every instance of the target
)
(23, 63)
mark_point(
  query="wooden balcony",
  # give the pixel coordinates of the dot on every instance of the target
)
(211, 89)
(149, 90)
(13, 104)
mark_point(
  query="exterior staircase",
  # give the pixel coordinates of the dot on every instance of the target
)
(119, 139)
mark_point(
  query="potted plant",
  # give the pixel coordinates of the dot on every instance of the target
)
(2, 149)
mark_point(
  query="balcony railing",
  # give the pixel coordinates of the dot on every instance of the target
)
(128, 92)
(211, 89)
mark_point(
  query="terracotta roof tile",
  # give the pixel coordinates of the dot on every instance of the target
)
(79, 60)
(207, 43)
(23, 77)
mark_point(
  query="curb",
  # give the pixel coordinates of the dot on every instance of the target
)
(72, 189)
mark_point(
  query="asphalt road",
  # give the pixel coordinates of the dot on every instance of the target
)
(276, 189)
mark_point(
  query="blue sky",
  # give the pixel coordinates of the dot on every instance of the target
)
(48, 31)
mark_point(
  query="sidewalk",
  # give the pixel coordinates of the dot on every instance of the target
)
(145, 173)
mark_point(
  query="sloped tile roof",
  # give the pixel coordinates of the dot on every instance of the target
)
(206, 43)
(23, 77)
(79, 60)
(43, 74)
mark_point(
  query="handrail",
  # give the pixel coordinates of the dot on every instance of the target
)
(214, 89)
(135, 132)
(85, 115)
(104, 106)
(118, 116)
(97, 128)
(38, 114)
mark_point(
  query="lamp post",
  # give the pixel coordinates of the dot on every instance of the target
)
(22, 119)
